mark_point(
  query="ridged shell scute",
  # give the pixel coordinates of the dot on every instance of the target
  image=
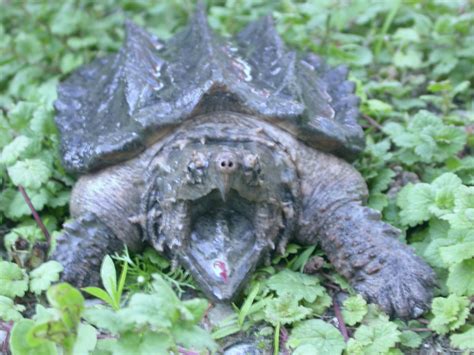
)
(110, 110)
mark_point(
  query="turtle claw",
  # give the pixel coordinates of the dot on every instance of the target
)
(402, 287)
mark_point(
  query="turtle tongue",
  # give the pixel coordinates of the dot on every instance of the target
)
(221, 253)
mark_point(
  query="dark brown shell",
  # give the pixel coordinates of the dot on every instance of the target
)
(112, 109)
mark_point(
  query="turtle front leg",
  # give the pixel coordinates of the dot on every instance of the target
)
(102, 205)
(361, 247)
(81, 248)
(367, 252)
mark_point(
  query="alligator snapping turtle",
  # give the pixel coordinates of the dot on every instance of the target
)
(217, 152)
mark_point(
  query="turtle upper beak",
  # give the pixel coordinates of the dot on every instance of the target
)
(226, 166)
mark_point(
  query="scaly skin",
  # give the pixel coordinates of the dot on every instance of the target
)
(294, 191)
(360, 246)
(81, 248)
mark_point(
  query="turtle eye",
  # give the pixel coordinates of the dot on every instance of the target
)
(196, 168)
(252, 169)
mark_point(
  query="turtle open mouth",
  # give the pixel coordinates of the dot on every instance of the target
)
(219, 208)
(223, 246)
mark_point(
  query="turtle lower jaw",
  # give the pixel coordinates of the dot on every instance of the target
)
(224, 245)
(220, 280)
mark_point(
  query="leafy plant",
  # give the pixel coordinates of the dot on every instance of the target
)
(426, 139)
(153, 322)
(412, 62)
(113, 287)
(449, 313)
(16, 282)
(354, 309)
(377, 337)
(56, 327)
(316, 337)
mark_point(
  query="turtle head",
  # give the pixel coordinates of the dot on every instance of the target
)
(220, 208)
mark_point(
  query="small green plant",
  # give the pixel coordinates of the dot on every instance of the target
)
(55, 330)
(412, 62)
(16, 282)
(142, 266)
(112, 294)
(425, 138)
(155, 322)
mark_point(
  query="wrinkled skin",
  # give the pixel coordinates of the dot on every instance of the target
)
(218, 151)
(223, 193)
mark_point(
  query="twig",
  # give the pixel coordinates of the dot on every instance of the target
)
(421, 329)
(283, 340)
(36, 216)
(7, 328)
(332, 286)
(373, 122)
(340, 320)
(184, 351)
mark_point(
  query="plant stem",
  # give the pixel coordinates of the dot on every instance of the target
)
(36, 216)
(386, 25)
(276, 340)
(373, 122)
(340, 320)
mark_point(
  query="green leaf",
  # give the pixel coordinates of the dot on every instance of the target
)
(458, 252)
(378, 108)
(62, 329)
(382, 181)
(29, 47)
(193, 337)
(299, 285)
(320, 305)
(407, 35)
(20, 115)
(409, 59)
(414, 201)
(463, 214)
(30, 173)
(375, 338)
(444, 189)
(461, 278)
(106, 319)
(13, 280)
(108, 276)
(15, 150)
(410, 339)
(16, 204)
(10, 311)
(245, 309)
(285, 310)
(449, 313)
(86, 339)
(306, 349)
(68, 300)
(44, 275)
(426, 139)
(323, 336)
(354, 309)
(464, 340)
(70, 62)
(42, 122)
(148, 310)
(143, 344)
(100, 294)
(163, 289)
(196, 307)
(20, 345)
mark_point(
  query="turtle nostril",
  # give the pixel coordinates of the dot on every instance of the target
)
(226, 162)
